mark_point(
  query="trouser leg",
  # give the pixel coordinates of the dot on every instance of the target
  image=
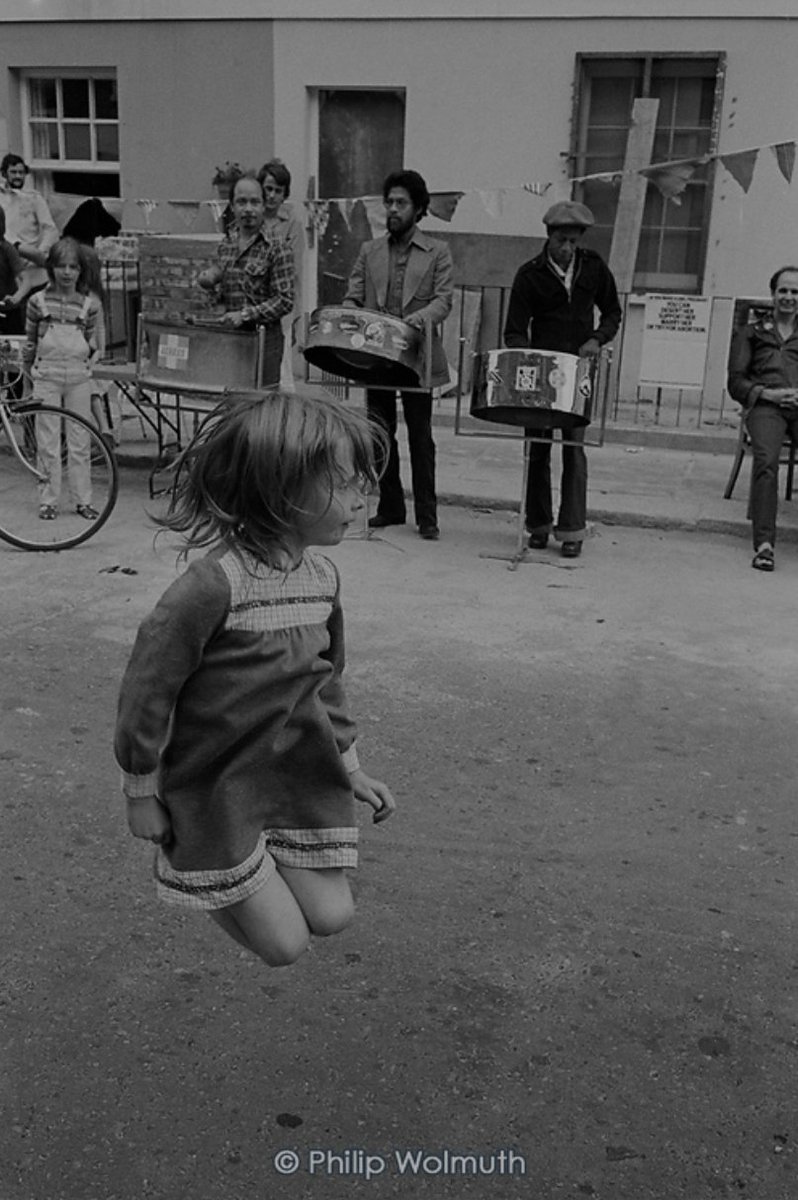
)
(77, 399)
(48, 442)
(538, 485)
(417, 408)
(381, 407)
(572, 517)
(767, 426)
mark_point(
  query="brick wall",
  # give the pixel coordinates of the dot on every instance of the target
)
(168, 265)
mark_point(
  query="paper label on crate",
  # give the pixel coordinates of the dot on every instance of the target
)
(173, 352)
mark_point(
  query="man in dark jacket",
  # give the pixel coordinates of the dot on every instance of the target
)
(552, 307)
(763, 377)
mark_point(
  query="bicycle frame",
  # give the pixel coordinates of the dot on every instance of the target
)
(11, 372)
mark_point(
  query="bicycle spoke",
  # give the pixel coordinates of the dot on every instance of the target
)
(61, 465)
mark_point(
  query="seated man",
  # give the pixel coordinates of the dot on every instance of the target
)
(763, 378)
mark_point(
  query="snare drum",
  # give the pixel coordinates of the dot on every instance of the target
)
(539, 389)
(367, 347)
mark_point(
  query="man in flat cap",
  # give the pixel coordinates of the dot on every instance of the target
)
(552, 307)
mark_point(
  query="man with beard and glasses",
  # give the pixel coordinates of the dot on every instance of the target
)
(408, 276)
(30, 229)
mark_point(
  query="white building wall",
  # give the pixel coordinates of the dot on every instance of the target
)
(489, 105)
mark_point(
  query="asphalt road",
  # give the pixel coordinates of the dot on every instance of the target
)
(575, 947)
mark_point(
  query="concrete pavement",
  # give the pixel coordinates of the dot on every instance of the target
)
(639, 477)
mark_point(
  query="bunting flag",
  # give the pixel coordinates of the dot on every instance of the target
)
(537, 189)
(147, 207)
(492, 201)
(671, 179)
(217, 208)
(785, 157)
(443, 204)
(187, 211)
(319, 212)
(741, 166)
(375, 214)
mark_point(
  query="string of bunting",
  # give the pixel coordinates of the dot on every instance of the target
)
(671, 178)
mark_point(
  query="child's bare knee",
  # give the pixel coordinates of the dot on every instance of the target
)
(282, 953)
(333, 919)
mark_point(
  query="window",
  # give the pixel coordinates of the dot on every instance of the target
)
(672, 245)
(71, 130)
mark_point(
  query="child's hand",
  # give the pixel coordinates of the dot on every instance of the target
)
(372, 792)
(147, 818)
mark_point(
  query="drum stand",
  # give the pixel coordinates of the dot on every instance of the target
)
(520, 554)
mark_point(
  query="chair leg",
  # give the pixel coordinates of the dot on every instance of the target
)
(735, 471)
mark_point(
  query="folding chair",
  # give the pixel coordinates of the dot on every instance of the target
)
(788, 453)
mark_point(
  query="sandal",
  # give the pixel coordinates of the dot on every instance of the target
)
(48, 512)
(87, 512)
(764, 559)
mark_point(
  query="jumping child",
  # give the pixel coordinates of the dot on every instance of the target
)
(236, 747)
(60, 350)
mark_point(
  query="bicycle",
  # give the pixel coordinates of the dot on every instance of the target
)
(23, 473)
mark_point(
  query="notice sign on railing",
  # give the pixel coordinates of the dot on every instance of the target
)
(675, 340)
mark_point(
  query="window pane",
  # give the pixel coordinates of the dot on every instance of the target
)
(608, 143)
(77, 142)
(76, 97)
(680, 252)
(107, 143)
(44, 140)
(42, 98)
(611, 101)
(105, 106)
(602, 200)
(647, 251)
(690, 143)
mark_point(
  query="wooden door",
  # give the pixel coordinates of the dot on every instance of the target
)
(361, 140)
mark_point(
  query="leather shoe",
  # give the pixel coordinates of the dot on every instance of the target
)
(538, 541)
(380, 522)
(430, 533)
(571, 549)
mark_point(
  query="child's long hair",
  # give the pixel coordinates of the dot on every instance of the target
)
(92, 277)
(67, 247)
(244, 478)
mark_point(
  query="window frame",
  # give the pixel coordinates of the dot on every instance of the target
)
(63, 164)
(692, 284)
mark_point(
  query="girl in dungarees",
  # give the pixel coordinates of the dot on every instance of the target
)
(61, 331)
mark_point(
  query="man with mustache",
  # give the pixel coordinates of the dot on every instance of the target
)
(409, 276)
(30, 228)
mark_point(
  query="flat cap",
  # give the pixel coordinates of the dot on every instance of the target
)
(568, 212)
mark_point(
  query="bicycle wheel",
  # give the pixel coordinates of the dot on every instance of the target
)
(54, 451)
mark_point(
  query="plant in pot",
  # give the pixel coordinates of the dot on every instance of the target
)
(224, 177)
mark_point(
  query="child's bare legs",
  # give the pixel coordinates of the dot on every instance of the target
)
(276, 922)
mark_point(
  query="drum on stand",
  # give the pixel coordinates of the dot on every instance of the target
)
(370, 348)
(538, 389)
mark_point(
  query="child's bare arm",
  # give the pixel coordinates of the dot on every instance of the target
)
(373, 792)
(147, 818)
